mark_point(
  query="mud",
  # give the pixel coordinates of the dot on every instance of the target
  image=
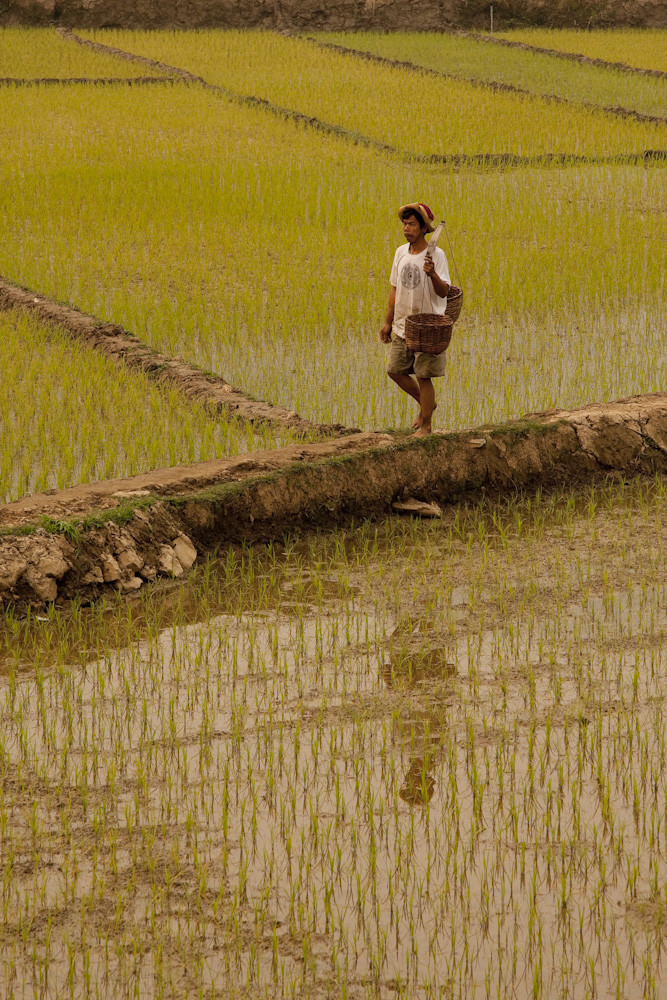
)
(157, 523)
(165, 765)
(495, 85)
(126, 349)
(378, 15)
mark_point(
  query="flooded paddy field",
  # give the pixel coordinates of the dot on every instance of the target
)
(412, 759)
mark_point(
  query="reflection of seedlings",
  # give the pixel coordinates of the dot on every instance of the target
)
(416, 666)
(218, 770)
(419, 784)
(416, 654)
(311, 591)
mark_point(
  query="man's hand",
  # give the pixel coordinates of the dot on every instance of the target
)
(440, 287)
(385, 333)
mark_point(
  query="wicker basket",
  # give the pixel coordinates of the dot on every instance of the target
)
(428, 332)
(454, 303)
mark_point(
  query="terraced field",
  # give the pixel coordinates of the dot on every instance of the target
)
(36, 53)
(406, 759)
(479, 59)
(454, 117)
(70, 416)
(177, 232)
(645, 48)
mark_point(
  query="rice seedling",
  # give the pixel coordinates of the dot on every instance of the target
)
(40, 52)
(642, 47)
(104, 206)
(408, 759)
(69, 416)
(454, 117)
(475, 59)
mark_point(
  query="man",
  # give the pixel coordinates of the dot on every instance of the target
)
(419, 284)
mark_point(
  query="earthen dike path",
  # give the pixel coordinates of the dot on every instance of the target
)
(122, 533)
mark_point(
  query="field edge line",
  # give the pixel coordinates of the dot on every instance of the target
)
(453, 161)
(572, 56)
(157, 524)
(126, 349)
(494, 85)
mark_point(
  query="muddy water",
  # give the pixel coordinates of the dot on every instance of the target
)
(416, 766)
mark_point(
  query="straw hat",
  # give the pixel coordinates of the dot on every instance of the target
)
(424, 211)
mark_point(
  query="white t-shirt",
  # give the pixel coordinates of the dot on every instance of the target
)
(414, 289)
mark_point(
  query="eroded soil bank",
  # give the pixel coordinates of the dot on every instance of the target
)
(125, 348)
(428, 15)
(120, 534)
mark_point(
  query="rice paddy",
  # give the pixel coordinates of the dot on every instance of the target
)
(153, 226)
(479, 60)
(645, 48)
(410, 760)
(70, 415)
(296, 74)
(36, 52)
(407, 759)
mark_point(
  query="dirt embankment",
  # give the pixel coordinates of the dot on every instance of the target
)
(568, 56)
(127, 532)
(334, 14)
(125, 348)
(98, 81)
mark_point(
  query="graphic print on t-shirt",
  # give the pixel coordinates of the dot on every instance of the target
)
(410, 275)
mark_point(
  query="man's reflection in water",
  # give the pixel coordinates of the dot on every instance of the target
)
(418, 660)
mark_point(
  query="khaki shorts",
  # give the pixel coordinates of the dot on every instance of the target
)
(402, 361)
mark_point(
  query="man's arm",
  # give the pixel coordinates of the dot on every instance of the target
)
(440, 286)
(385, 332)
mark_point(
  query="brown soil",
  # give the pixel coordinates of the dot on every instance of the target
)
(157, 523)
(104, 81)
(126, 349)
(80, 501)
(342, 15)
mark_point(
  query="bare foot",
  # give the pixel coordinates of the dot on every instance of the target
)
(419, 420)
(422, 431)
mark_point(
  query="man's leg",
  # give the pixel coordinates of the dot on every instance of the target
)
(407, 383)
(427, 406)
